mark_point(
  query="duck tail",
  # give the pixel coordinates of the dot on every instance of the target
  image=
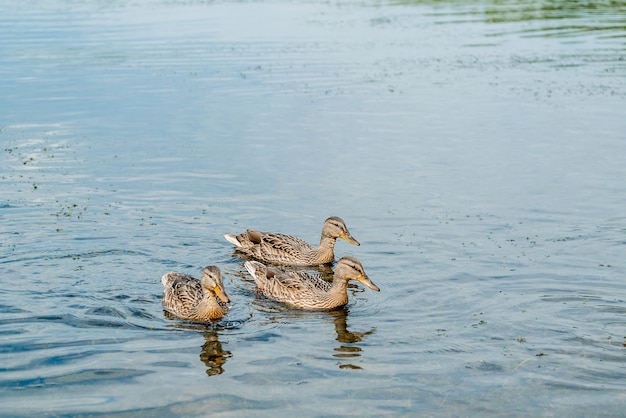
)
(233, 240)
(259, 273)
(165, 279)
(256, 269)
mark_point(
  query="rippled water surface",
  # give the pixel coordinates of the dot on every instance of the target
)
(475, 149)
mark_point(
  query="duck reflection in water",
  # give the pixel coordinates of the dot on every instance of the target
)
(212, 354)
(348, 349)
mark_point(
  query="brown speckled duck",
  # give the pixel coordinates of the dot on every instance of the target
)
(196, 300)
(288, 250)
(307, 291)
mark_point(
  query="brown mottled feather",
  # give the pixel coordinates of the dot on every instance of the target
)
(283, 249)
(305, 290)
(189, 298)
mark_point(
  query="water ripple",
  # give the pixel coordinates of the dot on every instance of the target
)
(24, 347)
(74, 321)
(82, 377)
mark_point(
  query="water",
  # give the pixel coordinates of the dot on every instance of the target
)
(475, 149)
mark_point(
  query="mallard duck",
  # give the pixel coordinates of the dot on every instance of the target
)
(308, 291)
(193, 299)
(288, 250)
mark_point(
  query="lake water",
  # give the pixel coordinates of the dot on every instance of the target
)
(477, 150)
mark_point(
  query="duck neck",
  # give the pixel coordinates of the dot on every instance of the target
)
(338, 291)
(327, 242)
(324, 253)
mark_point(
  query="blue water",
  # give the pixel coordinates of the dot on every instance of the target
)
(475, 149)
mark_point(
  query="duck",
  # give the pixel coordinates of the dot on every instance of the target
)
(201, 300)
(303, 290)
(288, 250)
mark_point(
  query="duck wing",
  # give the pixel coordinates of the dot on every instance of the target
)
(283, 244)
(295, 288)
(181, 292)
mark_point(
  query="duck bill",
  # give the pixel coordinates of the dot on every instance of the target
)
(367, 282)
(349, 238)
(219, 291)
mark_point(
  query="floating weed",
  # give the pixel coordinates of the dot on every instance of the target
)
(69, 210)
(480, 321)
